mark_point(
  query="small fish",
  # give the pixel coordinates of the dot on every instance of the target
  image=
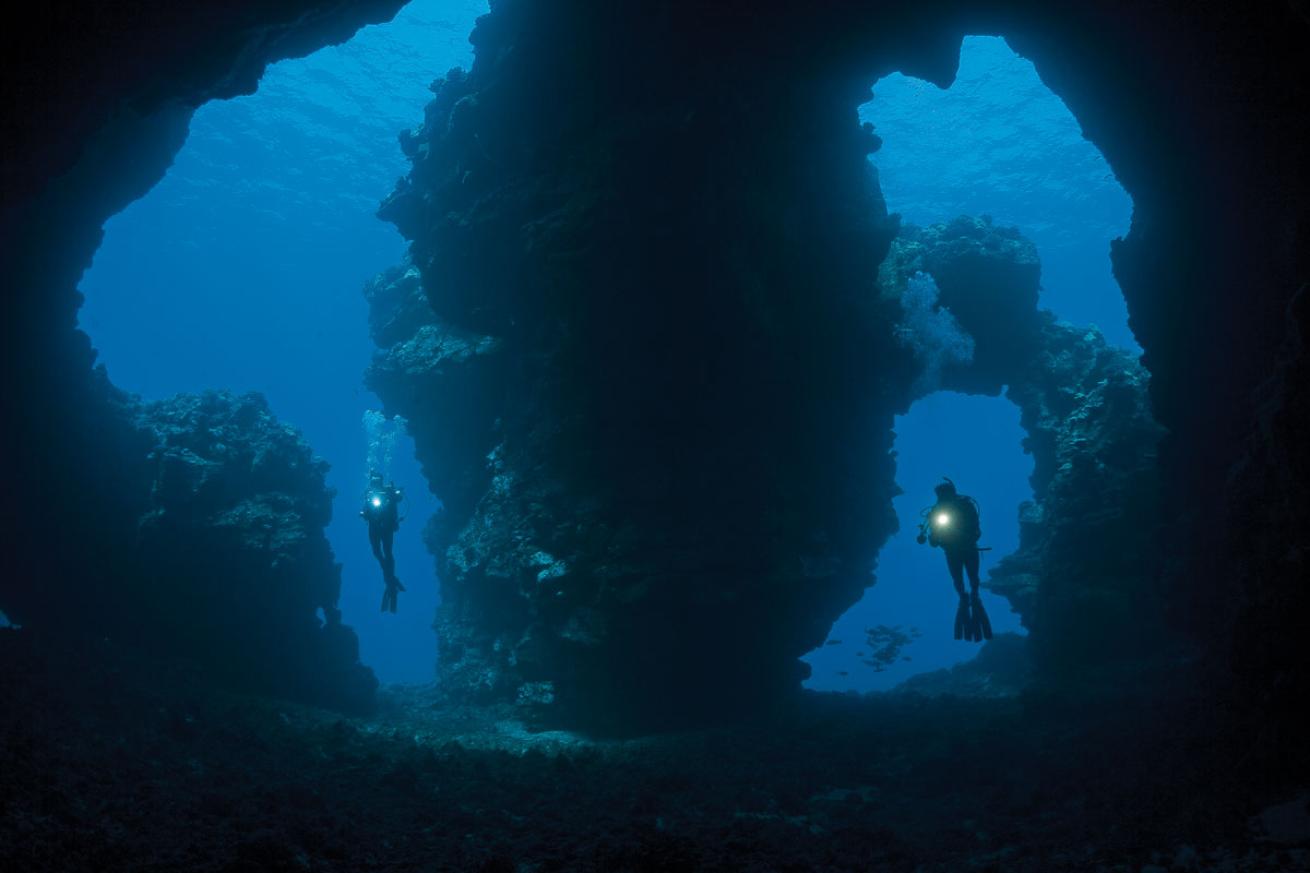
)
(833, 643)
(842, 673)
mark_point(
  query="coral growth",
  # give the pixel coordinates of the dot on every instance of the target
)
(1087, 559)
(660, 433)
(230, 565)
(208, 546)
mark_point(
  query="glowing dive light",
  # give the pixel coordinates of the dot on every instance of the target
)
(942, 519)
(377, 501)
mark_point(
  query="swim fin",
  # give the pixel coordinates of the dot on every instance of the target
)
(962, 619)
(389, 595)
(981, 624)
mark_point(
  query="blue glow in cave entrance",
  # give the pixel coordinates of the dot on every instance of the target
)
(975, 441)
(242, 269)
(998, 142)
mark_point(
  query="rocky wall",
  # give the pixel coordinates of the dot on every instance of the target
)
(1200, 108)
(230, 566)
(676, 475)
(548, 198)
(215, 553)
(98, 103)
(1086, 577)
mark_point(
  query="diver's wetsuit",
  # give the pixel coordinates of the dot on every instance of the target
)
(383, 517)
(958, 538)
(382, 540)
(953, 524)
(959, 560)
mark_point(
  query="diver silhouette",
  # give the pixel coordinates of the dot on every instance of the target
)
(381, 511)
(954, 524)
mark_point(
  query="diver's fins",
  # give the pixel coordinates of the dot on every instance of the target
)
(389, 593)
(962, 619)
(982, 625)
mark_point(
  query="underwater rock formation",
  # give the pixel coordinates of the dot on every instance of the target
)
(674, 472)
(231, 563)
(1084, 577)
(1202, 110)
(213, 551)
(92, 123)
(1088, 561)
(988, 278)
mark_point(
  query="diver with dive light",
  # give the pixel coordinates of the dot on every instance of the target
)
(381, 511)
(954, 525)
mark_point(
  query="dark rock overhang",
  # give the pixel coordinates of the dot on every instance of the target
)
(1201, 110)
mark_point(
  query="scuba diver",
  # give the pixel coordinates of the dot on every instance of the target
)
(953, 523)
(381, 511)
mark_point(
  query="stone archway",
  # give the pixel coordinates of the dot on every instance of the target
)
(1201, 111)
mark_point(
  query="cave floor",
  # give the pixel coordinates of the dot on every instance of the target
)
(107, 763)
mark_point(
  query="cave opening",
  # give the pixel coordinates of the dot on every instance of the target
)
(997, 146)
(999, 142)
(1194, 107)
(242, 270)
(914, 595)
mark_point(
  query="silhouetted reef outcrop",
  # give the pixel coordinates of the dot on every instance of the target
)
(634, 199)
(678, 280)
(684, 468)
(230, 565)
(212, 552)
(1085, 576)
(93, 122)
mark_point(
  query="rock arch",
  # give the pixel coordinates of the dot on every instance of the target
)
(1200, 110)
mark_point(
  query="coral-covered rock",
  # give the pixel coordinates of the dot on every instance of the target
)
(1084, 577)
(1088, 559)
(102, 108)
(684, 455)
(212, 550)
(444, 380)
(988, 277)
(231, 565)
(1202, 110)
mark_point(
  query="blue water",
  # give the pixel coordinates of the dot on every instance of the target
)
(974, 441)
(998, 143)
(242, 269)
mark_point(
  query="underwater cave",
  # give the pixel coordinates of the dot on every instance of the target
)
(680, 329)
(996, 143)
(242, 268)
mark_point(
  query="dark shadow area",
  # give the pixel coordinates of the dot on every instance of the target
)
(997, 143)
(243, 268)
(157, 771)
(652, 348)
(976, 441)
